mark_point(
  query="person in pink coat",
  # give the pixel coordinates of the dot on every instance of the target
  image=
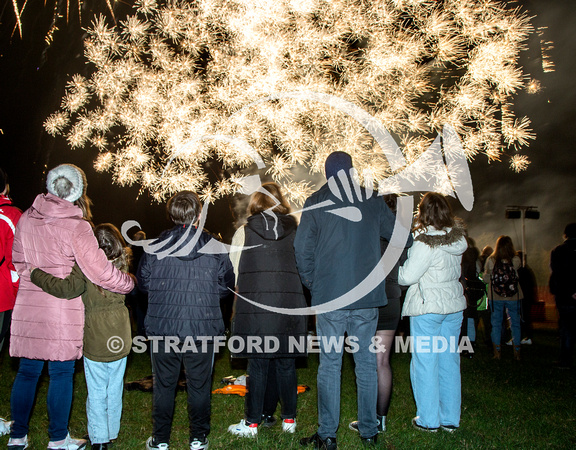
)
(53, 234)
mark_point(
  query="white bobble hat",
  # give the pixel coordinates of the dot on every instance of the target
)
(63, 173)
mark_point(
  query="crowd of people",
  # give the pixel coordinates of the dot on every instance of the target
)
(66, 284)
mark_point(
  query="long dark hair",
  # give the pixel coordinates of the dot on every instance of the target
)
(434, 210)
(110, 240)
(504, 249)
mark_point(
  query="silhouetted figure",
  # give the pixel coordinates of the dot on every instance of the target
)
(527, 281)
(563, 287)
(484, 315)
(474, 290)
(138, 299)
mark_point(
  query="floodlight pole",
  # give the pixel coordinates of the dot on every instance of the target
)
(524, 238)
(522, 210)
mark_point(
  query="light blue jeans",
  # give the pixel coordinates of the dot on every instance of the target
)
(435, 375)
(499, 307)
(105, 383)
(360, 324)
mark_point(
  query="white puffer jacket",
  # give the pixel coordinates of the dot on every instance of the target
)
(432, 271)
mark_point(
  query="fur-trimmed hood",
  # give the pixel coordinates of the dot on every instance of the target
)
(442, 238)
(432, 272)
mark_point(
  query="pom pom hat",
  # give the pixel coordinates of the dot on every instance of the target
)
(336, 162)
(66, 181)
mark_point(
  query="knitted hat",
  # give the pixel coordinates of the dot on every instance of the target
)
(336, 162)
(3, 180)
(66, 181)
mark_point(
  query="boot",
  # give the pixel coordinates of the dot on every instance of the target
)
(517, 354)
(496, 349)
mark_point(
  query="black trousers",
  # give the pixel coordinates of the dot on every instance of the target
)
(270, 379)
(198, 367)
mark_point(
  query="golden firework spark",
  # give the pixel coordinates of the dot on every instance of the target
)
(169, 77)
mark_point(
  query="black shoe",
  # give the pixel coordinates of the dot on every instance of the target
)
(322, 444)
(100, 446)
(369, 441)
(268, 421)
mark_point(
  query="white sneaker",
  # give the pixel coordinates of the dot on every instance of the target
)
(241, 429)
(5, 426)
(151, 445)
(198, 444)
(67, 444)
(510, 342)
(18, 443)
(526, 341)
(289, 425)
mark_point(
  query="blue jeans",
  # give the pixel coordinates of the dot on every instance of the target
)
(361, 324)
(435, 375)
(105, 383)
(59, 400)
(497, 317)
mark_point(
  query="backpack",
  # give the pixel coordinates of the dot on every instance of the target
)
(504, 279)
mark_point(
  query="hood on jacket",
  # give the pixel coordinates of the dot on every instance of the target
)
(272, 227)
(449, 240)
(51, 206)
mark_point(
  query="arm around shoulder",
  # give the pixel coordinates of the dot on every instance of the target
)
(73, 286)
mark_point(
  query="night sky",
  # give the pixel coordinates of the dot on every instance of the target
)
(33, 77)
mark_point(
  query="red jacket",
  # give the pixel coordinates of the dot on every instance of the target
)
(9, 216)
(52, 235)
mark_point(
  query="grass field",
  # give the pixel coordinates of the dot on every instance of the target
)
(505, 404)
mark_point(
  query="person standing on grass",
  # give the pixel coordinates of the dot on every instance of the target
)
(388, 319)
(334, 254)
(54, 234)
(9, 216)
(267, 274)
(527, 281)
(563, 287)
(107, 336)
(504, 293)
(184, 291)
(435, 302)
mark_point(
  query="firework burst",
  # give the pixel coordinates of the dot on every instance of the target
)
(169, 75)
